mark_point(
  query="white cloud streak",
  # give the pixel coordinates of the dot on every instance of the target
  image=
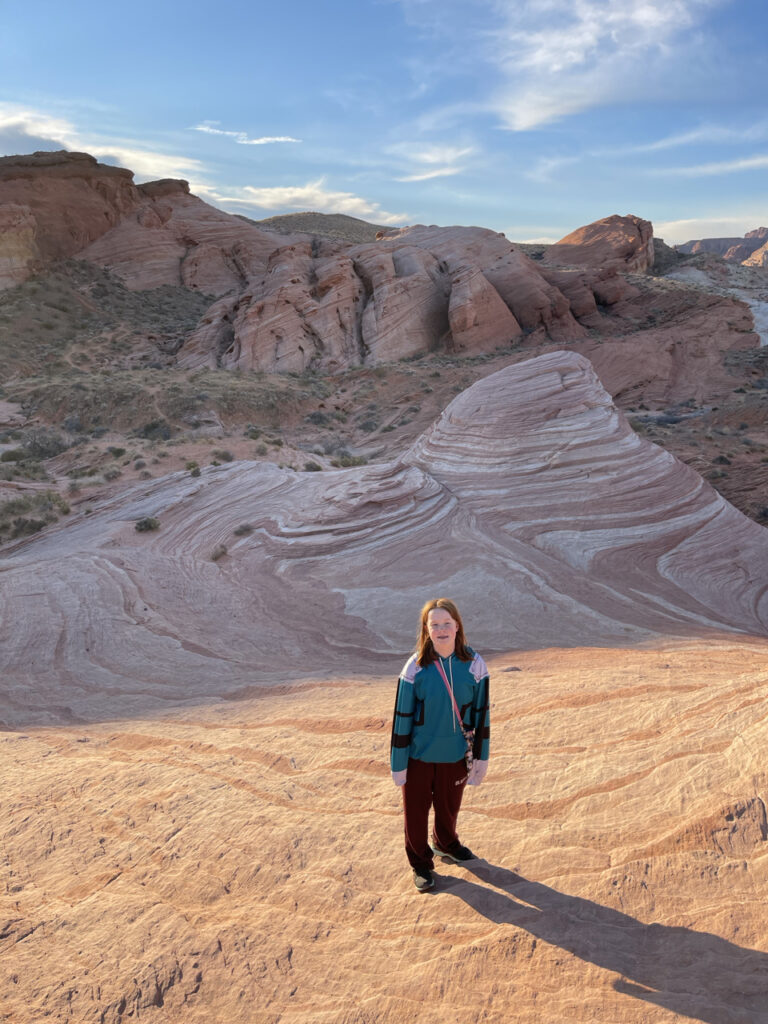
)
(429, 155)
(440, 172)
(750, 163)
(241, 138)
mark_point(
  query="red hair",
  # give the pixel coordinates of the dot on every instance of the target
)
(425, 651)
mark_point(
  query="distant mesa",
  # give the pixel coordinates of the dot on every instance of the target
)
(735, 250)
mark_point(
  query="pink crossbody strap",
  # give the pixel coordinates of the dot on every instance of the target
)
(441, 670)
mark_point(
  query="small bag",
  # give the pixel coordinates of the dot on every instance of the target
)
(468, 734)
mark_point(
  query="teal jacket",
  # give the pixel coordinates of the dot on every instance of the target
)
(424, 725)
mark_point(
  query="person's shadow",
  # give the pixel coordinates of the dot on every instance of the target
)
(691, 973)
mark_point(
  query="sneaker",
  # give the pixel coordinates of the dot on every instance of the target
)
(457, 853)
(423, 880)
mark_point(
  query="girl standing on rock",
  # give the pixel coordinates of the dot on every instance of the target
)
(440, 736)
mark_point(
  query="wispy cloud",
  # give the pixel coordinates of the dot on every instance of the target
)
(429, 153)
(560, 57)
(547, 59)
(437, 161)
(312, 196)
(705, 134)
(440, 172)
(209, 127)
(750, 163)
(545, 168)
(21, 123)
(709, 133)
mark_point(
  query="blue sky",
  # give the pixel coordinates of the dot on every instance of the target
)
(531, 117)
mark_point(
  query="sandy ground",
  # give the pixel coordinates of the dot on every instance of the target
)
(243, 861)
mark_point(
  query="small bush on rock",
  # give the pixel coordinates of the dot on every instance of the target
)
(147, 523)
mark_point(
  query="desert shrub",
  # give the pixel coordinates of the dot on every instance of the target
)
(29, 470)
(20, 517)
(147, 523)
(312, 467)
(155, 430)
(243, 530)
(195, 471)
(346, 460)
(111, 473)
(262, 449)
(192, 465)
(13, 455)
(22, 527)
(116, 452)
(320, 419)
(139, 464)
(218, 552)
(42, 443)
(223, 455)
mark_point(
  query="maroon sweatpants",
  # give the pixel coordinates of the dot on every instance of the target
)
(431, 785)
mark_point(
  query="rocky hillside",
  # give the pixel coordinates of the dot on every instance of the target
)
(323, 225)
(119, 329)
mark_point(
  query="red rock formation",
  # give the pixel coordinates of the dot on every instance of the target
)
(19, 254)
(329, 306)
(72, 198)
(621, 243)
(682, 358)
(175, 238)
(758, 258)
(478, 317)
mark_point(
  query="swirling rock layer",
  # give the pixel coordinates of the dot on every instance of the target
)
(530, 500)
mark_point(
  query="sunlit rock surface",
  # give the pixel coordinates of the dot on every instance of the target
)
(624, 243)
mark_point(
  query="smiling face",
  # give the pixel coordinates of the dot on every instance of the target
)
(442, 628)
